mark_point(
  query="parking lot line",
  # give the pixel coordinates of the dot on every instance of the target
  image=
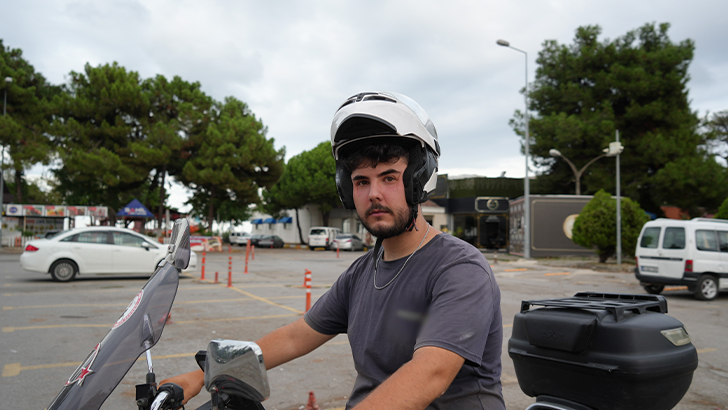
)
(268, 301)
(14, 369)
(707, 350)
(126, 304)
(557, 274)
(11, 329)
(515, 270)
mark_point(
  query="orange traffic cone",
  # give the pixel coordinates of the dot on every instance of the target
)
(311, 405)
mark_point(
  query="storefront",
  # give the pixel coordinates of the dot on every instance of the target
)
(480, 221)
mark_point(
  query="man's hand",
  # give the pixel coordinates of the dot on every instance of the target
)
(417, 383)
(191, 383)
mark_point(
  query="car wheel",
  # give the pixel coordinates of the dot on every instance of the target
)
(63, 270)
(654, 289)
(311, 248)
(707, 288)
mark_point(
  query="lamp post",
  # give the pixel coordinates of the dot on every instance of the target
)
(616, 148)
(577, 174)
(526, 182)
(8, 81)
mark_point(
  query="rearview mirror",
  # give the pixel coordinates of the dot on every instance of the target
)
(236, 368)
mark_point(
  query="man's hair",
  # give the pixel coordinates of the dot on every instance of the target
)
(371, 153)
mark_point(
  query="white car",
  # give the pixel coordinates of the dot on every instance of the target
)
(95, 250)
(239, 238)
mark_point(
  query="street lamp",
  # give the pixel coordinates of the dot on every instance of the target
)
(616, 148)
(577, 174)
(8, 80)
(526, 182)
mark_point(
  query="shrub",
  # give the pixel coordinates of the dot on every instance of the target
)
(596, 226)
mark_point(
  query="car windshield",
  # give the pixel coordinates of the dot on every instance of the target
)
(318, 232)
(343, 236)
(53, 234)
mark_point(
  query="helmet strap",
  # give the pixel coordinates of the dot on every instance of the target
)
(412, 224)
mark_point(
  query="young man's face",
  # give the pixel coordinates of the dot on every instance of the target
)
(379, 198)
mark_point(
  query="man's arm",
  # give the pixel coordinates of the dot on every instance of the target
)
(289, 342)
(280, 346)
(417, 383)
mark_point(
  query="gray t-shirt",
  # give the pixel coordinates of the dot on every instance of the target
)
(446, 296)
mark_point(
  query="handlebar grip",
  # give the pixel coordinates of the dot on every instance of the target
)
(169, 396)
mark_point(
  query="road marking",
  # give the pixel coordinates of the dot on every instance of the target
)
(268, 301)
(13, 329)
(673, 288)
(202, 286)
(701, 351)
(126, 304)
(558, 274)
(14, 369)
(227, 319)
(515, 270)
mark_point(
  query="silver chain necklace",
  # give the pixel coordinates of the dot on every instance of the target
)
(376, 264)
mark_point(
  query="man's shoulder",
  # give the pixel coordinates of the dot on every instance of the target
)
(451, 243)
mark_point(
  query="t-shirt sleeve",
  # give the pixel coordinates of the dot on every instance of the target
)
(461, 312)
(329, 315)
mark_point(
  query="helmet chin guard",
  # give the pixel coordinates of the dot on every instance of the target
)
(386, 117)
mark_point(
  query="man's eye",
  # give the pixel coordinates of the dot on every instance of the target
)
(360, 183)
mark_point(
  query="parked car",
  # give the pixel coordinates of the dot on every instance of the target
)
(321, 236)
(255, 238)
(239, 238)
(270, 241)
(691, 253)
(95, 250)
(347, 242)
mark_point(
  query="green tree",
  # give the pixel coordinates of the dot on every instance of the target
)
(179, 112)
(309, 178)
(636, 84)
(23, 129)
(101, 137)
(723, 210)
(716, 127)
(596, 226)
(231, 161)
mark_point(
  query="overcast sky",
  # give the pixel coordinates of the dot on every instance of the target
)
(294, 62)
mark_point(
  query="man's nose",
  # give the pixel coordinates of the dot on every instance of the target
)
(375, 192)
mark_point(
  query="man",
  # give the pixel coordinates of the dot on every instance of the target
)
(422, 310)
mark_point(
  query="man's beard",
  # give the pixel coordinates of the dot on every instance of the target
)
(402, 220)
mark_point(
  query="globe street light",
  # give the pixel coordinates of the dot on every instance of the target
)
(577, 174)
(8, 80)
(526, 182)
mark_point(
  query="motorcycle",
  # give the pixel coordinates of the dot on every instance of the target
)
(235, 373)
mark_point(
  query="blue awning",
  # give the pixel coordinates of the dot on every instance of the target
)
(256, 221)
(269, 221)
(285, 220)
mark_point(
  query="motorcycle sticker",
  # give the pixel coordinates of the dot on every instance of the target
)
(129, 309)
(85, 369)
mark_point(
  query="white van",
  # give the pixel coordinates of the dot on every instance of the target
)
(322, 236)
(691, 253)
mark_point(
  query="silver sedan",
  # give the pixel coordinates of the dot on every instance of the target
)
(347, 242)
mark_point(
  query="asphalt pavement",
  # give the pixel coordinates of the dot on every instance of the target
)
(48, 328)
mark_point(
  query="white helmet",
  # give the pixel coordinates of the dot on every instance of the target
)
(371, 115)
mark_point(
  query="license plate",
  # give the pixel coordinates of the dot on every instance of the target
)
(652, 269)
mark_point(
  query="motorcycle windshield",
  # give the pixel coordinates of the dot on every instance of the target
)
(138, 329)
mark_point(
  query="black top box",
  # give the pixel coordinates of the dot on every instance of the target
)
(605, 351)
